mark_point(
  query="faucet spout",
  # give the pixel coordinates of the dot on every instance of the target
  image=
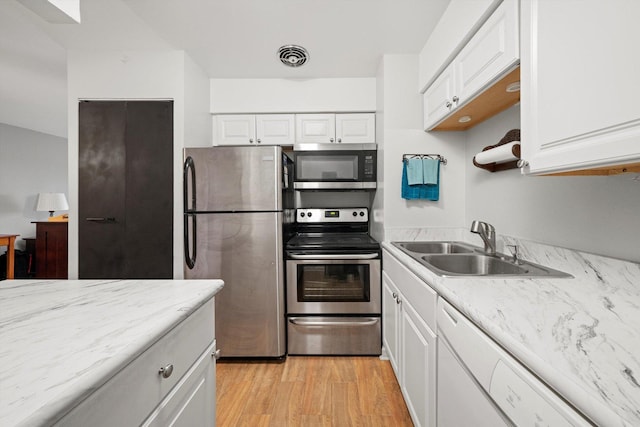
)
(487, 233)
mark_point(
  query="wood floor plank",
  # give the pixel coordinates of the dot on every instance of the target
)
(310, 391)
(344, 404)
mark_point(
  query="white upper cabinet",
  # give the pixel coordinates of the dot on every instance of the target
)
(490, 54)
(234, 129)
(248, 129)
(342, 128)
(315, 128)
(438, 101)
(580, 86)
(275, 129)
(458, 23)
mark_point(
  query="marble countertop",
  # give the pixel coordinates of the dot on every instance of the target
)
(61, 339)
(580, 335)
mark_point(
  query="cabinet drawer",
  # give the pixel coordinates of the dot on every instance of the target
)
(415, 290)
(130, 395)
(192, 401)
(315, 335)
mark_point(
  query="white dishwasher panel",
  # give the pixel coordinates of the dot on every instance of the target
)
(461, 401)
(499, 380)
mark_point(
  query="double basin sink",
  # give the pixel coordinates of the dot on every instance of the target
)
(450, 258)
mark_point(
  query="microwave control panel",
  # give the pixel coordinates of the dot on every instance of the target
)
(369, 172)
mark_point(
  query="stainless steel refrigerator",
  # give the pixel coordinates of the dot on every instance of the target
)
(237, 201)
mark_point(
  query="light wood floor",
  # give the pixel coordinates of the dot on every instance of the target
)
(309, 391)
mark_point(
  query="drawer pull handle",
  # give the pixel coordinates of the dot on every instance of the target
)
(216, 354)
(166, 371)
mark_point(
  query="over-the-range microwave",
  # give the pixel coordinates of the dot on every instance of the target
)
(334, 166)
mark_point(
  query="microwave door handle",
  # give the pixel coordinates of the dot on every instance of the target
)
(334, 256)
(189, 165)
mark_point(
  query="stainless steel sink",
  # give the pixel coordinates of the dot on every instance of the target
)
(435, 247)
(453, 259)
(485, 265)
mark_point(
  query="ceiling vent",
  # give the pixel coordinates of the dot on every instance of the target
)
(292, 55)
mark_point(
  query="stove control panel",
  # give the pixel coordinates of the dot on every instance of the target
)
(332, 215)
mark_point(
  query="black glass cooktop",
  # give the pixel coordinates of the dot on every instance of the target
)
(329, 241)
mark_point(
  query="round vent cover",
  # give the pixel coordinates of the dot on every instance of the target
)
(293, 55)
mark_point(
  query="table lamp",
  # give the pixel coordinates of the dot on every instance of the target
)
(52, 202)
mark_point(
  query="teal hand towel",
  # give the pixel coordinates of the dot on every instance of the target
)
(414, 171)
(430, 171)
(419, 191)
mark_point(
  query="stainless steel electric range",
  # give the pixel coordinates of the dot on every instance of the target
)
(333, 284)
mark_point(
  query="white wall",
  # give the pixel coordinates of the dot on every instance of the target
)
(587, 213)
(30, 163)
(292, 95)
(138, 75)
(400, 115)
(197, 119)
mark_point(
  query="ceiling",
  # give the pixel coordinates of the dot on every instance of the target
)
(227, 38)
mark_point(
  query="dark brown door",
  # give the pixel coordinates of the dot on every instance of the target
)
(125, 189)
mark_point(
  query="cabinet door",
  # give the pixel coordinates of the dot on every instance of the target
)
(492, 51)
(192, 401)
(418, 367)
(356, 128)
(275, 129)
(580, 87)
(315, 128)
(390, 321)
(437, 100)
(488, 56)
(235, 129)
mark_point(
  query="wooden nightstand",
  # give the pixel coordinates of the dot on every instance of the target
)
(52, 253)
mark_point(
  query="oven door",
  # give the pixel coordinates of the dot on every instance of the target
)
(333, 284)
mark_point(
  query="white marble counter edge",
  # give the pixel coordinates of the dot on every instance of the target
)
(555, 379)
(56, 409)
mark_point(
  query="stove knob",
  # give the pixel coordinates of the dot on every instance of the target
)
(302, 214)
(361, 213)
(355, 213)
(309, 214)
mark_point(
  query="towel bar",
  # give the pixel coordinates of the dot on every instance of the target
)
(422, 156)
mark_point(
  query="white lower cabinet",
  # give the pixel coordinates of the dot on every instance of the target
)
(390, 322)
(140, 393)
(190, 402)
(418, 371)
(408, 317)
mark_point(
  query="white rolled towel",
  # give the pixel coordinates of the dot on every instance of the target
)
(501, 154)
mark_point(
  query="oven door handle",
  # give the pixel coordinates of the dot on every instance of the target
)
(334, 322)
(335, 256)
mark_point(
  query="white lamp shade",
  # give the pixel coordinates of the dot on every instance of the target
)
(52, 202)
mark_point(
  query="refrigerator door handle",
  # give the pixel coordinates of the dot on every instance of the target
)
(189, 165)
(190, 243)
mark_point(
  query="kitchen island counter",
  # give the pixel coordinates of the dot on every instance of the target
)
(61, 340)
(580, 335)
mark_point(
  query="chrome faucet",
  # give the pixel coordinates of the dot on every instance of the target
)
(487, 233)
